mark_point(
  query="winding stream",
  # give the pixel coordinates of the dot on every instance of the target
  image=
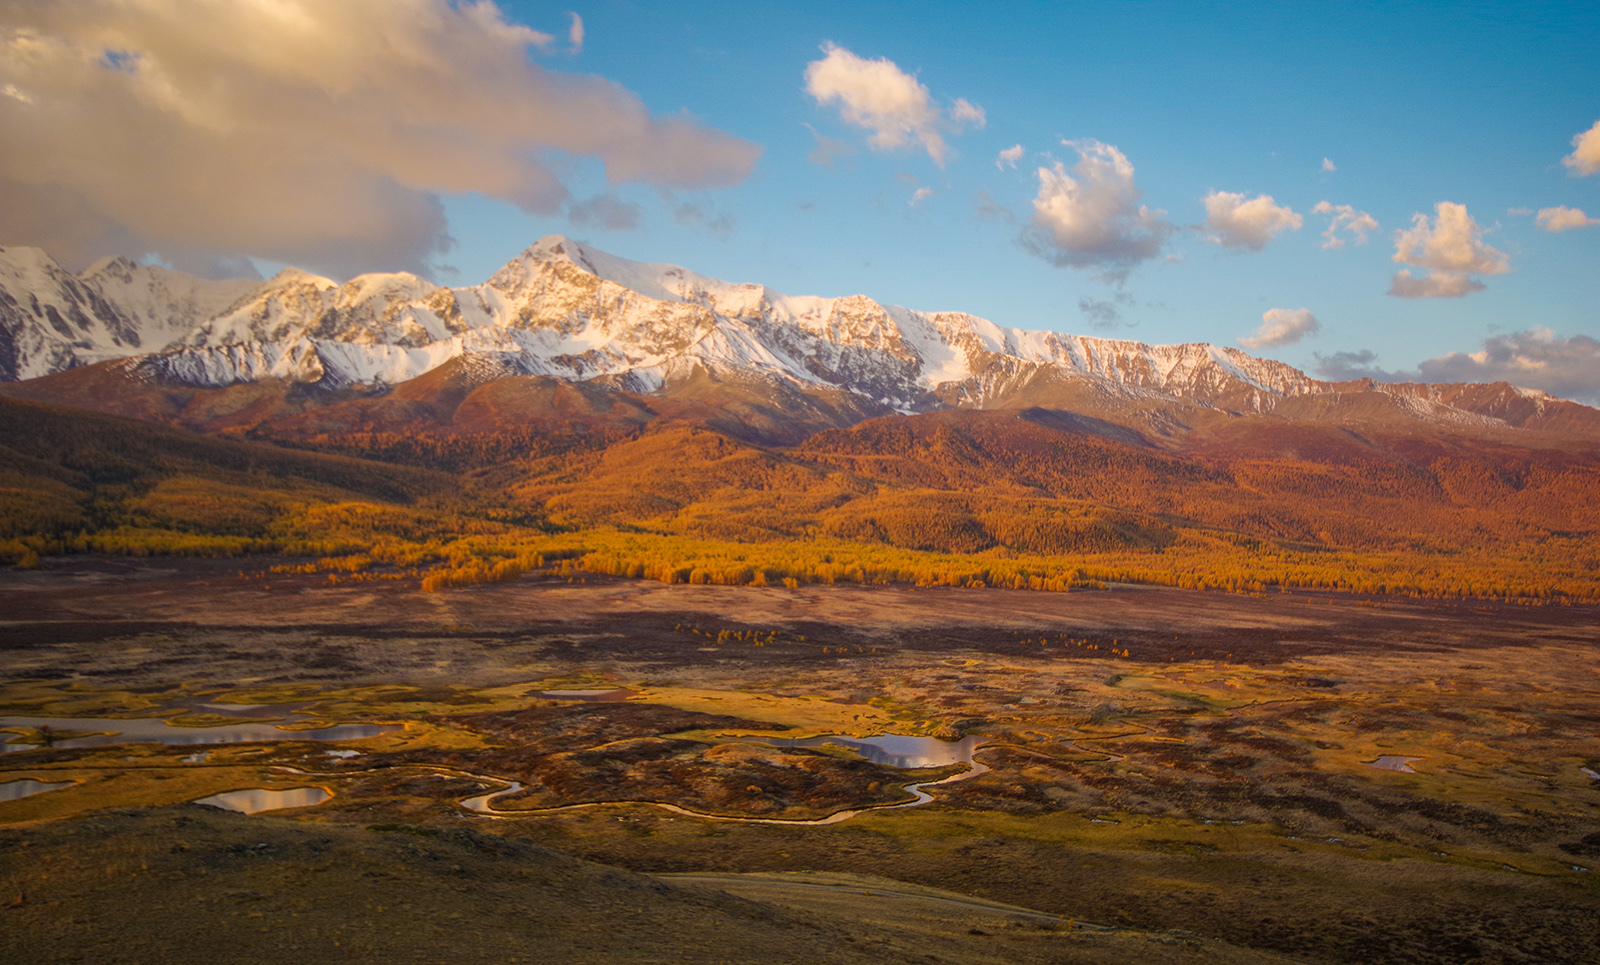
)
(892, 746)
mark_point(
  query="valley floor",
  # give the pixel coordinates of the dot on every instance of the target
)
(1156, 759)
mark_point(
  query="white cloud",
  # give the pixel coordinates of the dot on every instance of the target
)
(1567, 368)
(1345, 218)
(919, 196)
(1239, 223)
(878, 96)
(317, 132)
(1585, 156)
(605, 211)
(1282, 326)
(575, 33)
(1092, 216)
(1436, 285)
(1010, 156)
(1564, 219)
(1329, 166)
(968, 114)
(1451, 249)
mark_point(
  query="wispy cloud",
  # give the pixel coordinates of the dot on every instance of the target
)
(299, 131)
(1347, 219)
(1328, 166)
(1106, 314)
(1009, 157)
(1091, 217)
(605, 211)
(877, 96)
(575, 33)
(1247, 223)
(718, 223)
(1282, 326)
(825, 150)
(1451, 249)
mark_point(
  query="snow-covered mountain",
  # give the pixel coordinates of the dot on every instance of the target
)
(564, 309)
(51, 319)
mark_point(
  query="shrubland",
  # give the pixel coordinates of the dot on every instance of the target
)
(1015, 499)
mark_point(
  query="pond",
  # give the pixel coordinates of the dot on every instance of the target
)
(1395, 762)
(141, 730)
(893, 750)
(253, 800)
(16, 790)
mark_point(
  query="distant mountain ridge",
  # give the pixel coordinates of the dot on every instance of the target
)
(566, 310)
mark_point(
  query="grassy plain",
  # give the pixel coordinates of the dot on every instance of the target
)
(1158, 758)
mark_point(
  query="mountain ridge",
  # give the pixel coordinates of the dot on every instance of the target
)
(566, 310)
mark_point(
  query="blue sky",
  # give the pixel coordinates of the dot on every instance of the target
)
(1411, 104)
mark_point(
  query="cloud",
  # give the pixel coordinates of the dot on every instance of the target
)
(1105, 314)
(990, 209)
(575, 33)
(920, 195)
(1239, 223)
(1010, 156)
(1567, 368)
(692, 213)
(1451, 249)
(1585, 157)
(826, 149)
(1348, 366)
(1436, 285)
(317, 132)
(605, 211)
(1092, 217)
(967, 114)
(1536, 359)
(878, 96)
(1282, 326)
(1564, 219)
(1345, 218)
(1329, 166)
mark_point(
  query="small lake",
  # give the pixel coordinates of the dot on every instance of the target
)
(17, 790)
(893, 750)
(254, 800)
(155, 730)
(1395, 762)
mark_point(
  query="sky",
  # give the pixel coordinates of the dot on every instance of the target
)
(1401, 190)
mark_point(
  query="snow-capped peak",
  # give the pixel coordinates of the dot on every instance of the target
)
(565, 309)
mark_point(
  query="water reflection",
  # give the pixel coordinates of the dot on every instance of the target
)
(253, 800)
(140, 730)
(894, 750)
(1395, 762)
(16, 790)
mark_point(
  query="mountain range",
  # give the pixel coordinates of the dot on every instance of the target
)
(148, 341)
